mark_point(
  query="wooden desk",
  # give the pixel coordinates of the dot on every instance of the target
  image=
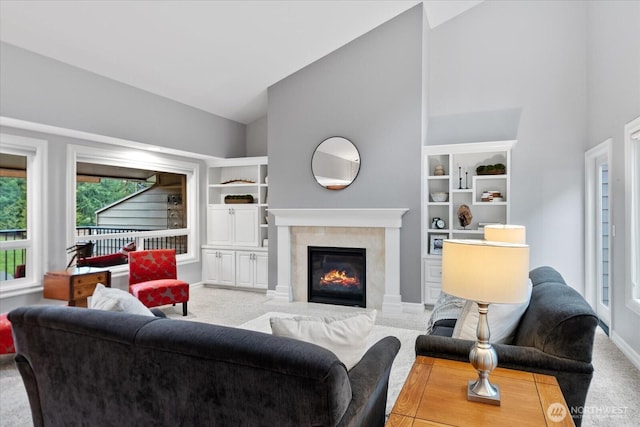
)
(435, 394)
(75, 285)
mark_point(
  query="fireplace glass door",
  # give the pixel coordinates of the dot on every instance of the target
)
(337, 275)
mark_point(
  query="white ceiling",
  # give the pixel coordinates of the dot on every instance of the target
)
(218, 56)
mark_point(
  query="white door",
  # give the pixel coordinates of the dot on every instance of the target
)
(244, 269)
(218, 225)
(227, 265)
(210, 270)
(598, 230)
(262, 270)
(245, 227)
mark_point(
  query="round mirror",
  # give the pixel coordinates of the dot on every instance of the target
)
(335, 163)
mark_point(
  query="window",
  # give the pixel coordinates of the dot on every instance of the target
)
(22, 196)
(125, 196)
(632, 220)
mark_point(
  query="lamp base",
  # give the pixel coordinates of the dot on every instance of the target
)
(492, 398)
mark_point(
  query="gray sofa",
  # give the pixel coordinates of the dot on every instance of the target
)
(99, 368)
(554, 337)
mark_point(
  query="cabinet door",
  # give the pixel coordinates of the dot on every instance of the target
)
(245, 226)
(244, 269)
(219, 231)
(262, 270)
(209, 266)
(227, 272)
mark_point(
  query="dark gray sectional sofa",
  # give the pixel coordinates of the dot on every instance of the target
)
(98, 368)
(554, 337)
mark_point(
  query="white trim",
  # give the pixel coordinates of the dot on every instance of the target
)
(37, 202)
(590, 223)
(87, 136)
(632, 215)
(626, 349)
(383, 218)
(135, 158)
(470, 147)
(389, 219)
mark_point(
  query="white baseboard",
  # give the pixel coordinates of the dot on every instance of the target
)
(413, 308)
(626, 349)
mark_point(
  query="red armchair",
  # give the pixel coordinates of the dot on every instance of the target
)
(6, 338)
(153, 278)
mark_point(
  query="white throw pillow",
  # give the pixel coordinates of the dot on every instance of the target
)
(344, 335)
(503, 320)
(112, 299)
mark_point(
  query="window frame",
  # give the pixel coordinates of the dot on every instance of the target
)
(35, 150)
(136, 158)
(632, 213)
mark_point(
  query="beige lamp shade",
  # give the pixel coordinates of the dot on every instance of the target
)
(484, 271)
(505, 233)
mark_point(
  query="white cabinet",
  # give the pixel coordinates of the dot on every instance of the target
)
(476, 175)
(252, 269)
(232, 225)
(228, 182)
(236, 223)
(218, 267)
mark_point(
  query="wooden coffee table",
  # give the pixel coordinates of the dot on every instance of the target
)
(435, 394)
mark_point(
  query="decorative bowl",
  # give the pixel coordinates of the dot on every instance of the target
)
(440, 197)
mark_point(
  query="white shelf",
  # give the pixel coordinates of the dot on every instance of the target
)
(461, 161)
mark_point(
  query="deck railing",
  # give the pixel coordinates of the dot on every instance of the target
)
(109, 246)
(13, 260)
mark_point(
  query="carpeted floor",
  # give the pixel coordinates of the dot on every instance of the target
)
(613, 399)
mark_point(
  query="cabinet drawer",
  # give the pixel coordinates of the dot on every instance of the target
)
(91, 278)
(432, 270)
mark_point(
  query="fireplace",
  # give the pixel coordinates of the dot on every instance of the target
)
(337, 275)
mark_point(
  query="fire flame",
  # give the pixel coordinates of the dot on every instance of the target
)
(335, 277)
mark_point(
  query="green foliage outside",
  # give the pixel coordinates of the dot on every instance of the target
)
(91, 197)
(13, 216)
(13, 203)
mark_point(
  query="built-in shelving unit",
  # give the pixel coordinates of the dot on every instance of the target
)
(452, 170)
(235, 253)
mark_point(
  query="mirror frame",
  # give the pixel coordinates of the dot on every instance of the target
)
(336, 186)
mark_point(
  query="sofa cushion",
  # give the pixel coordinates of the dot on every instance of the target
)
(344, 335)
(112, 299)
(503, 320)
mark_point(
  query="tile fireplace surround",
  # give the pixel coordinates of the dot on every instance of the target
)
(300, 227)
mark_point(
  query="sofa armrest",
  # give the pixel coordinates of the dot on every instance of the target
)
(509, 356)
(369, 383)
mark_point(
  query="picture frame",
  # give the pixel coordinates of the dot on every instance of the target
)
(435, 243)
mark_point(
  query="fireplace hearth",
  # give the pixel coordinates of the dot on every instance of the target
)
(337, 275)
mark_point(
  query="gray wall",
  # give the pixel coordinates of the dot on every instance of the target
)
(614, 100)
(506, 70)
(38, 89)
(42, 90)
(257, 138)
(369, 91)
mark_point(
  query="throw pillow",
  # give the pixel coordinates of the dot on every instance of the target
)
(344, 335)
(503, 320)
(447, 307)
(112, 299)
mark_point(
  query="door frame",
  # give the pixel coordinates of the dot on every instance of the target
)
(592, 228)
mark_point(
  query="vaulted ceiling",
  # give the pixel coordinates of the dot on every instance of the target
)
(218, 56)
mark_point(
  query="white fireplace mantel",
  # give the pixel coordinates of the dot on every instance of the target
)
(389, 219)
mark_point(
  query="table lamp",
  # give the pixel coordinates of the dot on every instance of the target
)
(505, 233)
(486, 272)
